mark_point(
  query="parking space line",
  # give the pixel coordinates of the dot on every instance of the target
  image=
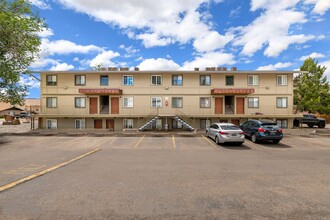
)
(135, 146)
(105, 141)
(173, 140)
(213, 145)
(25, 179)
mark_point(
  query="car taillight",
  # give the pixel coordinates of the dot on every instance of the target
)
(241, 133)
(221, 132)
(261, 130)
(280, 130)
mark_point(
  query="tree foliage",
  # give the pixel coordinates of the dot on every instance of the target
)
(19, 46)
(312, 89)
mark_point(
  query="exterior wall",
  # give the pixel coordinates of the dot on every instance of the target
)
(65, 91)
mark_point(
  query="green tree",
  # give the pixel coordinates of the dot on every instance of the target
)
(311, 92)
(19, 46)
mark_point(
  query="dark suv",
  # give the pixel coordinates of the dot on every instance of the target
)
(260, 130)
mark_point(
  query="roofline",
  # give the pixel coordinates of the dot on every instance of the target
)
(172, 71)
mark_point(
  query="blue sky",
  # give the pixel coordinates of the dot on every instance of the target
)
(181, 34)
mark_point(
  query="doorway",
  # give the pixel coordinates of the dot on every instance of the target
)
(104, 104)
(229, 105)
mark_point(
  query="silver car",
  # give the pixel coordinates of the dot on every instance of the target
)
(225, 133)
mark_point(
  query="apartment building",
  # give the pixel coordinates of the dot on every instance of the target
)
(117, 99)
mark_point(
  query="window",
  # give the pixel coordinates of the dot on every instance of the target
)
(282, 102)
(104, 81)
(80, 102)
(205, 80)
(283, 123)
(282, 80)
(177, 102)
(51, 123)
(51, 102)
(205, 102)
(80, 80)
(128, 123)
(229, 80)
(128, 102)
(156, 80)
(156, 102)
(80, 123)
(177, 80)
(253, 80)
(51, 80)
(128, 80)
(253, 102)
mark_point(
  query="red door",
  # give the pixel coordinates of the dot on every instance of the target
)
(218, 105)
(98, 123)
(110, 124)
(93, 105)
(114, 105)
(239, 105)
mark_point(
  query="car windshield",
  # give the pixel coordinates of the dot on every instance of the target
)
(229, 127)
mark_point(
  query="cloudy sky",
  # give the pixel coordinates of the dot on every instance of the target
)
(182, 34)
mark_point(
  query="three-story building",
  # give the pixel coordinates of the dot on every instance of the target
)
(118, 99)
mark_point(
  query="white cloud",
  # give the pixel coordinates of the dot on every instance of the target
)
(158, 64)
(29, 81)
(276, 66)
(159, 24)
(51, 64)
(42, 63)
(104, 59)
(211, 59)
(46, 32)
(65, 47)
(129, 51)
(327, 71)
(61, 67)
(321, 6)
(41, 4)
(271, 28)
(212, 41)
(312, 55)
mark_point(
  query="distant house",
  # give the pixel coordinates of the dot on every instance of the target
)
(30, 105)
(11, 111)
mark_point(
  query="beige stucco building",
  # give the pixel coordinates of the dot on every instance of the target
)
(118, 99)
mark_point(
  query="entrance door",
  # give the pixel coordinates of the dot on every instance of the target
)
(98, 123)
(235, 121)
(239, 105)
(93, 105)
(114, 105)
(218, 105)
(110, 124)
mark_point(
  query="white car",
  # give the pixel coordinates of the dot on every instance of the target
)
(225, 133)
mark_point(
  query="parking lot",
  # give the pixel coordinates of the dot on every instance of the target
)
(163, 177)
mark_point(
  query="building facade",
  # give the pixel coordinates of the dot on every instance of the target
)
(118, 99)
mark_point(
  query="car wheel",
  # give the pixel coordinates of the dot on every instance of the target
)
(321, 125)
(254, 138)
(216, 140)
(276, 141)
(310, 125)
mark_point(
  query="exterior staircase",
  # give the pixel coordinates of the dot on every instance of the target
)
(148, 123)
(184, 123)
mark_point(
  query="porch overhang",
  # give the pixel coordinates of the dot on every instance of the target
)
(239, 91)
(101, 91)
